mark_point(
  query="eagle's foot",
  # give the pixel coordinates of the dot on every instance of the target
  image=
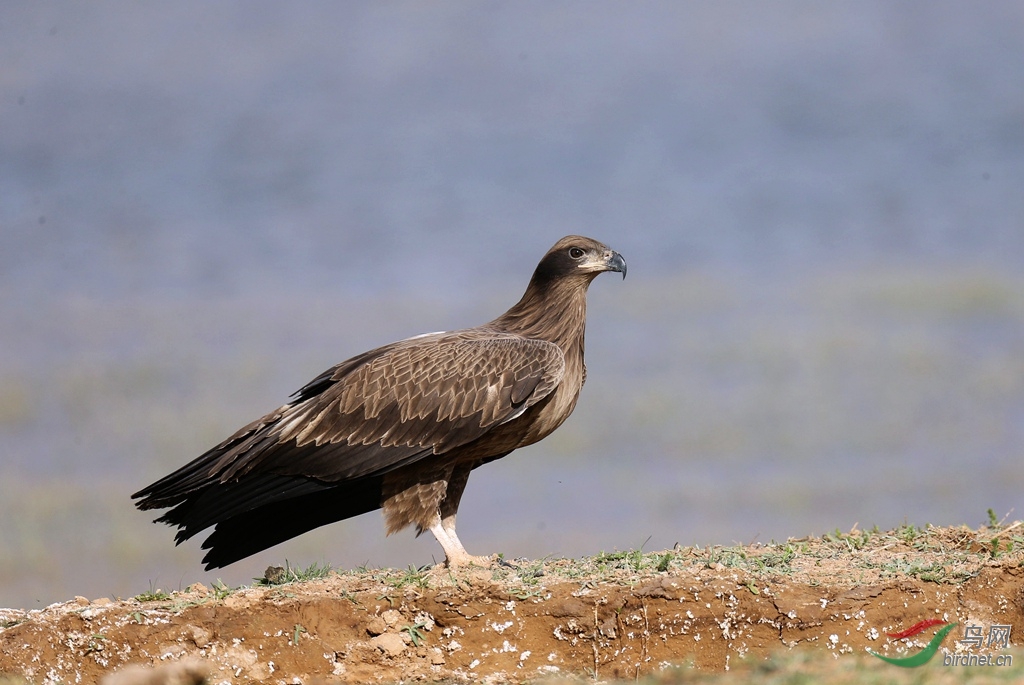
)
(465, 560)
(455, 555)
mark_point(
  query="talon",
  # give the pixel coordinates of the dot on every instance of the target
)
(457, 561)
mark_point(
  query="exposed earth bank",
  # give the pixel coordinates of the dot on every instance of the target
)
(611, 616)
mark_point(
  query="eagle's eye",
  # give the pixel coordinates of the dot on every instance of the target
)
(576, 252)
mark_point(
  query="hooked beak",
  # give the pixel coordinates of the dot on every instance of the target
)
(615, 262)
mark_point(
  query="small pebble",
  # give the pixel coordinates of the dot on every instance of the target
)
(376, 626)
(389, 643)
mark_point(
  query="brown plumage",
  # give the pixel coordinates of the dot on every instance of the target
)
(397, 428)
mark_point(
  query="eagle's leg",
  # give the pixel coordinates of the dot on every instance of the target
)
(455, 554)
(444, 528)
(428, 498)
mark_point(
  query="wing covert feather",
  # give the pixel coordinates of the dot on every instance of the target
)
(416, 398)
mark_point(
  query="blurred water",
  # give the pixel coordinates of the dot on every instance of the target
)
(201, 207)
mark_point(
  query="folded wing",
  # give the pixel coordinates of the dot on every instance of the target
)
(367, 416)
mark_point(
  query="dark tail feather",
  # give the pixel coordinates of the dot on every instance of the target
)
(258, 529)
(220, 502)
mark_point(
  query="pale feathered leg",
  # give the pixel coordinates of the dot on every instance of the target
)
(445, 526)
(455, 554)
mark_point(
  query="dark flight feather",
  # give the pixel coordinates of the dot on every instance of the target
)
(377, 429)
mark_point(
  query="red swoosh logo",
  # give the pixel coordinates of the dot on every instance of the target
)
(917, 628)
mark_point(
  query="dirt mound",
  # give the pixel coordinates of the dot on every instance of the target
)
(611, 616)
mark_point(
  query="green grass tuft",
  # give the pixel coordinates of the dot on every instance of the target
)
(278, 575)
(153, 595)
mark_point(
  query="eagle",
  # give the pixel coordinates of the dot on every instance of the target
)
(398, 428)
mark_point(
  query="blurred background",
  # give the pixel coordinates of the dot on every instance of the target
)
(202, 206)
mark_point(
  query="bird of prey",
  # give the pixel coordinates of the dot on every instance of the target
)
(398, 428)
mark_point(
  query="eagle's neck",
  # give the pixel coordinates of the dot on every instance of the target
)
(553, 311)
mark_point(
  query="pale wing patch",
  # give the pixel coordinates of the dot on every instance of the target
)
(424, 335)
(519, 412)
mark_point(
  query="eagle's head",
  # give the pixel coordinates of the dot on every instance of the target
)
(576, 257)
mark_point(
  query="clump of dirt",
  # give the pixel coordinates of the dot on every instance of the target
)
(615, 615)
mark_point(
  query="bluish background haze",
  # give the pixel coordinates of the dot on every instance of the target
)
(203, 205)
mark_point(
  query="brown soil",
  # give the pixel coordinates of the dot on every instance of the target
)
(611, 616)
